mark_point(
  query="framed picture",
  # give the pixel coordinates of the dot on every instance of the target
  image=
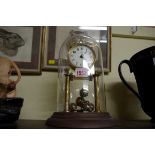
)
(134, 32)
(55, 36)
(22, 45)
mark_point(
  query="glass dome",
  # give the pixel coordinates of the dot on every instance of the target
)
(80, 75)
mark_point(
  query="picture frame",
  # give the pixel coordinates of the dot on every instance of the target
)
(23, 46)
(134, 32)
(55, 35)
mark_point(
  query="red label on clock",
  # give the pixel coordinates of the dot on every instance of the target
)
(81, 72)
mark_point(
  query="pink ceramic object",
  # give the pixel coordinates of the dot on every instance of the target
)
(7, 85)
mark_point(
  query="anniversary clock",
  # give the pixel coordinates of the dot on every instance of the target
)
(80, 92)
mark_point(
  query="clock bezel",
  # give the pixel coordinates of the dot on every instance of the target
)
(69, 52)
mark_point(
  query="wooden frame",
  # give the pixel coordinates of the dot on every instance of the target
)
(28, 52)
(53, 35)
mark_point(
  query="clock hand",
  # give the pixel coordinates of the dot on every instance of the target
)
(81, 56)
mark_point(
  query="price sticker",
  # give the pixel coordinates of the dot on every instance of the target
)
(51, 62)
(81, 72)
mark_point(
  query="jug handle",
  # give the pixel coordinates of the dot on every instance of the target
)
(124, 81)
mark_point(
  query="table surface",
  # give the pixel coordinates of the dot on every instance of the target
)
(41, 124)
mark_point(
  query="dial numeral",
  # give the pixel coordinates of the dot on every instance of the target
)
(85, 52)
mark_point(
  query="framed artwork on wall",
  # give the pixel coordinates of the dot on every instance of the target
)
(134, 32)
(54, 36)
(23, 45)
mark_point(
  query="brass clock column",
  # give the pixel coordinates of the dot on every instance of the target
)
(67, 92)
(96, 93)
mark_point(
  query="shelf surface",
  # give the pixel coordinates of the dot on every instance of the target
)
(41, 124)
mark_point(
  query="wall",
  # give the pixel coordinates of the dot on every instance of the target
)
(39, 92)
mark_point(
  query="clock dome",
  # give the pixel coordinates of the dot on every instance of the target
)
(80, 75)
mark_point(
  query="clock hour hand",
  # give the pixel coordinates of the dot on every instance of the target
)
(81, 56)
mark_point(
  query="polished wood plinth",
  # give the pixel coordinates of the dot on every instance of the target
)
(81, 120)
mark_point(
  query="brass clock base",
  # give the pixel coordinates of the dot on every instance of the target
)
(81, 120)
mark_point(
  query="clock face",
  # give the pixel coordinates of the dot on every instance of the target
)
(81, 56)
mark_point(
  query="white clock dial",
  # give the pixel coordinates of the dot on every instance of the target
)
(81, 56)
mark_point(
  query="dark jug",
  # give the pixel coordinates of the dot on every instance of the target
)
(142, 64)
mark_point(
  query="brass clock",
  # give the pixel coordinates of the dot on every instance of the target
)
(80, 93)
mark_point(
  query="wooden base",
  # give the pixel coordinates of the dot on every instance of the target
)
(81, 120)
